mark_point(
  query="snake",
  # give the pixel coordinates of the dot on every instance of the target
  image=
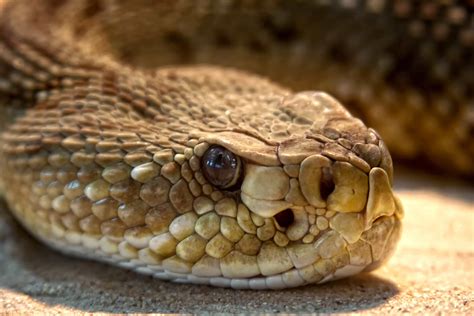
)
(193, 142)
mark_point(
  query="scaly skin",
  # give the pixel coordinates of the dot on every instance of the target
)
(102, 160)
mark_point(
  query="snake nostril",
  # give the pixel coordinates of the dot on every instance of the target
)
(327, 182)
(285, 218)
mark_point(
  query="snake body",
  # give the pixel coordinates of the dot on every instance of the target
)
(103, 143)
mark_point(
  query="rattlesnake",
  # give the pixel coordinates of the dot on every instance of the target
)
(212, 175)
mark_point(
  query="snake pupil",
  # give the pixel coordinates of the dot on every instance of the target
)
(221, 167)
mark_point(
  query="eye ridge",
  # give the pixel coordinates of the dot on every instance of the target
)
(222, 168)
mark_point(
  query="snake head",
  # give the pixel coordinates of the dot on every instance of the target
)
(303, 200)
(244, 187)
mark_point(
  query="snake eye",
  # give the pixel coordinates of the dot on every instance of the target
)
(221, 167)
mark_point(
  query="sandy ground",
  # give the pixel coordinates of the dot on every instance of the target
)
(432, 271)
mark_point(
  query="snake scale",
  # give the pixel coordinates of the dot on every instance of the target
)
(121, 143)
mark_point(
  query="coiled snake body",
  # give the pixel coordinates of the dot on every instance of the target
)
(205, 174)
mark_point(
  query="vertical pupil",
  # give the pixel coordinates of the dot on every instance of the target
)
(220, 159)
